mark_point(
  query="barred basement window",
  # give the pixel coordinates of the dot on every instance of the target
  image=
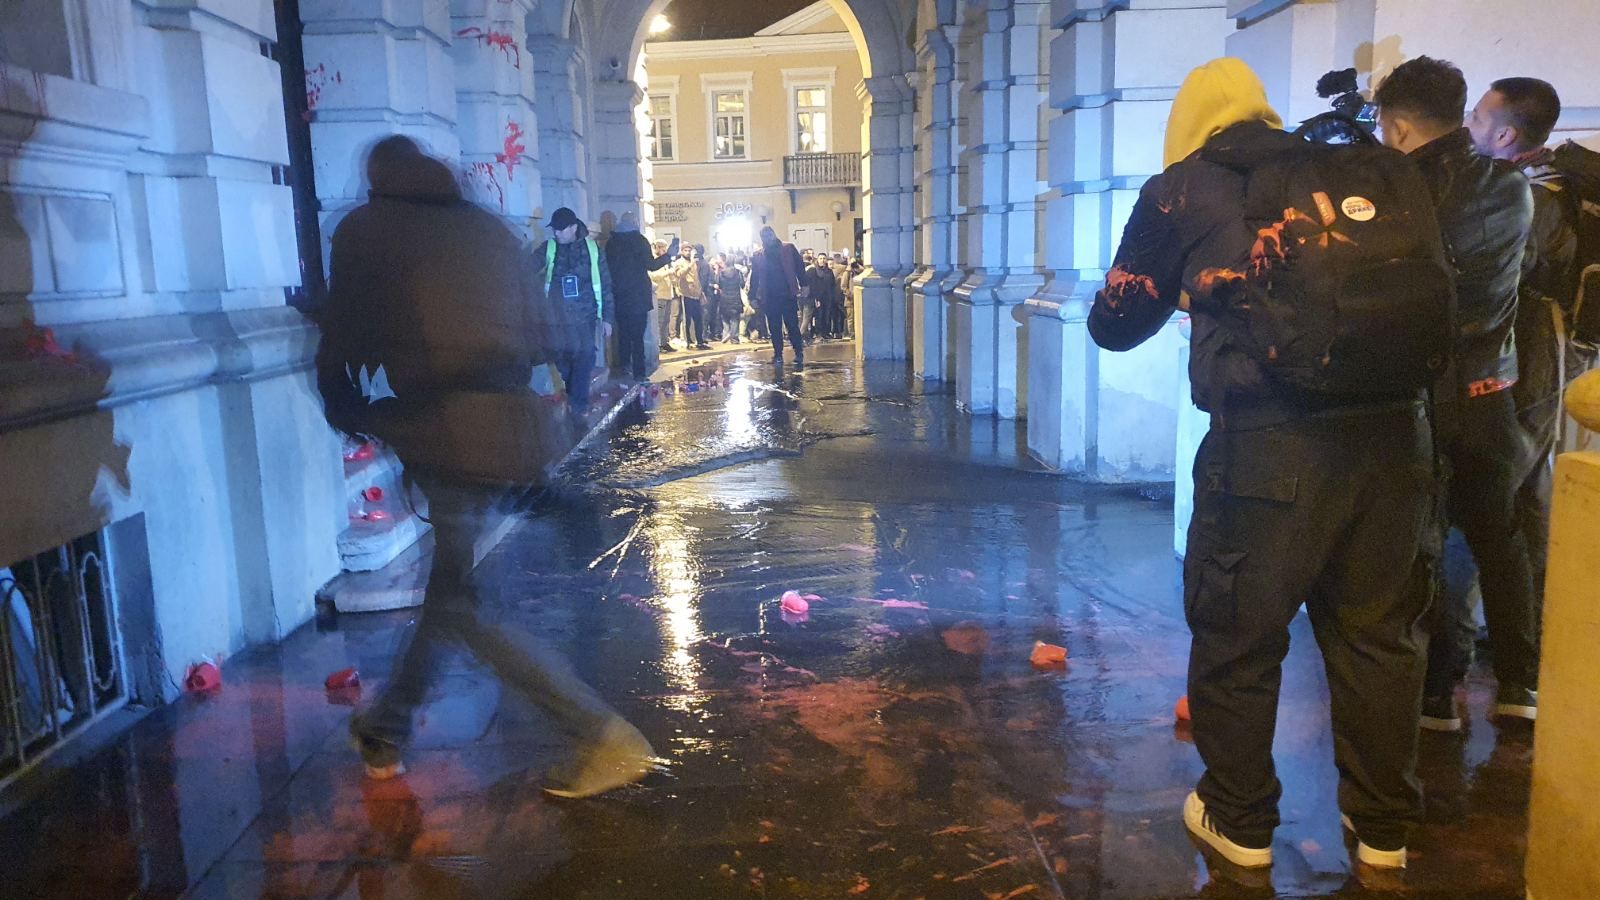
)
(60, 650)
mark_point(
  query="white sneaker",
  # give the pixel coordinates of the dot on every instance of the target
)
(1378, 859)
(1199, 824)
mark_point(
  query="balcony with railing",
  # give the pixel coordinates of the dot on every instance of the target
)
(804, 170)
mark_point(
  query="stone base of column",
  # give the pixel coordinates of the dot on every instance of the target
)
(991, 343)
(1110, 417)
(929, 317)
(881, 315)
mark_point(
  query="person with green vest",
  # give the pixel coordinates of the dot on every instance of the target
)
(577, 280)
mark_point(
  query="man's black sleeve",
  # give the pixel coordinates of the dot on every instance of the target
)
(1142, 287)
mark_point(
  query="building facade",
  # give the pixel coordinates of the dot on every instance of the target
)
(758, 131)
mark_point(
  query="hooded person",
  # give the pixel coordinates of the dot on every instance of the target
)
(775, 273)
(577, 278)
(632, 260)
(1299, 498)
(434, 302)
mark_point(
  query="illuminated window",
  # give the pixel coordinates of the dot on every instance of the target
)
(663, 128)
(811, 120)
(729, 139)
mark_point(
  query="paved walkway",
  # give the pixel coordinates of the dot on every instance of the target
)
(895, 742)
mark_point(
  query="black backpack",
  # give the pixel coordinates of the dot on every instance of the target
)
(1346, 293)
(1580, 166)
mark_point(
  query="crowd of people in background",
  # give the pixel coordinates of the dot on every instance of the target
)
(701, 299)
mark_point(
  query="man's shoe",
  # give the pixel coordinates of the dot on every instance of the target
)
(380, 758)
(1440, 714)
(1200, 825)
(800, 363)
(1372, 856)
(619, 756)
(1516, 702)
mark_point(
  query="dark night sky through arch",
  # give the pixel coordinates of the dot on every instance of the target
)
(704, 20)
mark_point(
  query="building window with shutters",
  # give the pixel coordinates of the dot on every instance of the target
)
(811, 119)
(730, 119)
(663, 128)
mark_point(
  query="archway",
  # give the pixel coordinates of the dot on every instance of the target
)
(880, 30)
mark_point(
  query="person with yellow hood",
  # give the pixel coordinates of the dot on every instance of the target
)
(1299, 497)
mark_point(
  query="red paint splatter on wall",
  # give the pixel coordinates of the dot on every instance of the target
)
(498, 39)
(482, 179)
(318, 80)
(510, 154)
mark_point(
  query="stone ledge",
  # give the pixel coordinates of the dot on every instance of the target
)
(137, 359)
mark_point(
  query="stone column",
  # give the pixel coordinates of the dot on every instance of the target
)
(373, 71)
(618, 145)
(564, 161)
(495, 118)
(887, 193)
(1110, 416)
(936, 178)
(1005, 99)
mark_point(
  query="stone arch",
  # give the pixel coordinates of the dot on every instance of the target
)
(881, 30)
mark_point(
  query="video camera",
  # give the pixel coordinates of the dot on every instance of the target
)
(1352, 121)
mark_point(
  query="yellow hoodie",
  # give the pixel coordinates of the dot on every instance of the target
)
(1216, 96)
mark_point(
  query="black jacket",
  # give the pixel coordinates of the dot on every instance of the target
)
(824, 287)
(1188, 219)
(775, 282)
(632, 259)
(730, 290)
(1485, 212)
(573, 259)
(1547, 281)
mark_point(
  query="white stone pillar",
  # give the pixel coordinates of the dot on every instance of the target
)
(618, 146)
(1114, 73)
(936, 178)
(563, 157)
(1004, 180)
(887, 193)
(371, 71)
(495, 118)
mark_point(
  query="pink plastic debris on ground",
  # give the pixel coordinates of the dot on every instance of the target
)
(794, 604)
(790, 618)
(961, 575)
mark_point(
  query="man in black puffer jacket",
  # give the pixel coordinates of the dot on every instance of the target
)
(632, 260)
(1485, 212)
(577, 279)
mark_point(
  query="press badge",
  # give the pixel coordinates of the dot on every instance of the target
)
(569, 287)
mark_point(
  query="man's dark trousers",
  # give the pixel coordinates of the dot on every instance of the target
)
(1331, 511)
(576, 365)
(631, 327)
(780, 315)
(694, 326)
(460, 611)
(1486, 453)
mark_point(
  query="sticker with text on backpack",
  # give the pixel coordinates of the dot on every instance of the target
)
(1359, 209)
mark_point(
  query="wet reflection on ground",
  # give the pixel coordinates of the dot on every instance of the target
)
(891, 741)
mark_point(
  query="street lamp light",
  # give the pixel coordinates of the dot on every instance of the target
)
(660, 24)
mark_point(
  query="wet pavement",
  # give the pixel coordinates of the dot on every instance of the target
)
(893, 742)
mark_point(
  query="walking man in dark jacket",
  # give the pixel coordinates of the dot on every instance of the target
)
(578, 280)
(631, 260)
(1485, 212)
(1299, 499)
(441, 296)
(1512, 122)
(775, 281)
